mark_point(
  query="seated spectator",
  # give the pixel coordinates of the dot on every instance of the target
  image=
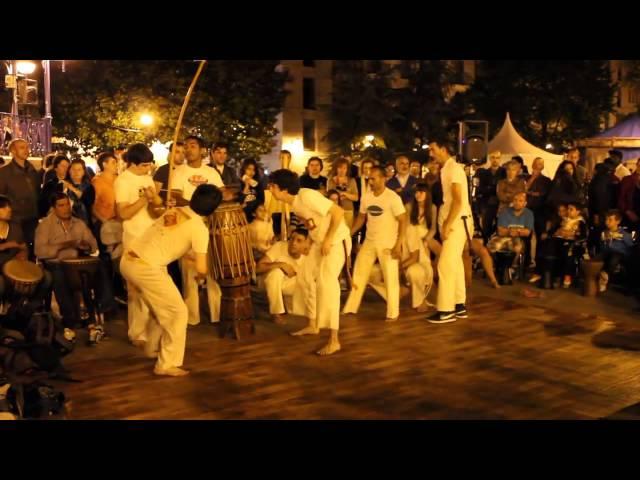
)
(515, 224)
(616, 245)
(282, 264)
(61, 236)
(261, 233)
(508, 187)
(567, 244)
(12, 246)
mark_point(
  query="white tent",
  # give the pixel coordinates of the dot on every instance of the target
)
(509, 142)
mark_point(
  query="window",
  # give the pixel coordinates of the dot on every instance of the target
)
(308, 63)
(309, 135)
(309, 94)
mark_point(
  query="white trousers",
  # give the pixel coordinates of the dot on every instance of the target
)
(451, 283)
(191, 297)
(278, 286)
(365, 260)
(320, 282)
(167, 330)
(420, 276)
(137, 310)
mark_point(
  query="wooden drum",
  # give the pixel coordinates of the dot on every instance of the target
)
(232, 265)
(75, 268)
(591, 271)
(23, 276)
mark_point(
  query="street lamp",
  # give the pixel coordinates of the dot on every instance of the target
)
(146, 120)
(25, 67)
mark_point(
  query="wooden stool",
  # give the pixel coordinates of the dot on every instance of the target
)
(590, 272)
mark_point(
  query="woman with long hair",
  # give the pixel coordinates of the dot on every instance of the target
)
(565, 187)
(252, 188)
(416, 258)
(340, 180)
(80, 191)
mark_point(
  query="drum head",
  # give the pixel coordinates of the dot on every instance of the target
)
(22, 271)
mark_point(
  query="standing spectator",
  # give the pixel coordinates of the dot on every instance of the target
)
(564, 188)
(486, 193)
(219, 157)
(313, 177)
(402, 183)
(629, 199)
(161, 175)
(81, 192)
(508, 187)
(346, 187)
(21, 183)
(54, 181)
(252, 192)
(538, 187)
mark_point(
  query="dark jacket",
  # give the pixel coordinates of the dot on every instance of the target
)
(602, 193)
(22, 186)
(406, 192)
(229, 176)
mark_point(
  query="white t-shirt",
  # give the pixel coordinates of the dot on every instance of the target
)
(127, 188)
(260, 234)
(453, 172)
(381, 211)
(622, 171)
(312, 205)
(279, 252)
(187, 179)
(160, 245)
(414, 240)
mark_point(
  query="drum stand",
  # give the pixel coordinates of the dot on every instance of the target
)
(88, 294)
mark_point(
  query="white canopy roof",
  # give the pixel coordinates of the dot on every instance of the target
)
(509, 142)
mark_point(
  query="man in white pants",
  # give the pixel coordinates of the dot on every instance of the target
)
(134, 190)
(451, 285)
(144, 265)
(386, 218)
(282, 265)
(331, 245)
(186, 178)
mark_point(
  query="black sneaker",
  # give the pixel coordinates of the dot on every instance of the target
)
(461, 311)
(442, 317)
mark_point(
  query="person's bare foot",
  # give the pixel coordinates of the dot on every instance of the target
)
(308, 330)
(278, 319)
(495, 285)
(424, 307)
(330, 348)
(388, 320)
(171, 372)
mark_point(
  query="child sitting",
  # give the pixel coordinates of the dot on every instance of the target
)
(615, 246)
(569, 240)
(261, 232)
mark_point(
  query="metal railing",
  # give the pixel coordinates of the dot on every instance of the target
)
(36, 131)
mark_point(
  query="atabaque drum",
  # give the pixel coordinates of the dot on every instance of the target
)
(232, 265)
(24, 276)
(77, 268)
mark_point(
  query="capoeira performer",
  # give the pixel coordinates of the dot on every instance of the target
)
(135, 191)
(331, 245)
(144, 265)
(385, 215)
(282, 266)
(456, 227)
(186, 178)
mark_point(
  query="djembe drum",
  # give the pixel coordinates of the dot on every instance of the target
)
(232, 265)
(590, 271)
(81, 274)
(24, 277)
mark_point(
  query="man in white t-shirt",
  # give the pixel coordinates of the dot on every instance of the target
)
(144, 265)
(282, 264)
(188, 177)
(455, 206)
(134, 190)
(324, 221)
(385, 215)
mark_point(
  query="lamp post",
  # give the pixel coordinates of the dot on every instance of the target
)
(46, 65)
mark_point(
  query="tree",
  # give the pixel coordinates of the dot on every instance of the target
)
(549, 102)
(98, 102)
(404, 104)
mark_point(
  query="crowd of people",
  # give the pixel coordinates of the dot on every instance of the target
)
(400, 226)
